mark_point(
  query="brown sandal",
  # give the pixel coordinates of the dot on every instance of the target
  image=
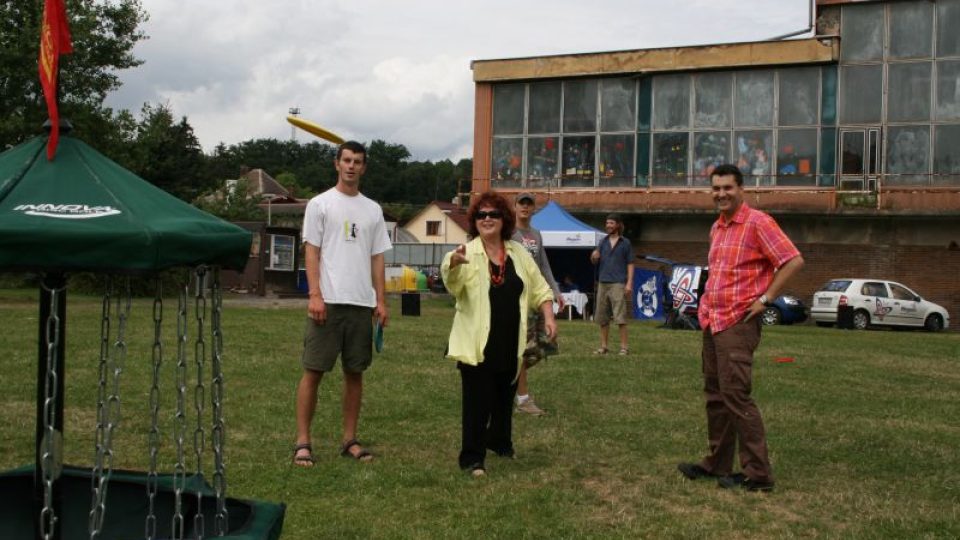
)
(305, 461)
(362, 455)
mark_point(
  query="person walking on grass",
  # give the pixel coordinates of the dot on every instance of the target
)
(751, 260)
(344, 237)
(531, 239)
(495, 283)
(614, 260)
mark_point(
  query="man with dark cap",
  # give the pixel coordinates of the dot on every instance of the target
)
(614, 260)
(532, 241)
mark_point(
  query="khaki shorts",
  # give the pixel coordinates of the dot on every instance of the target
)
(611, 304)
(348, 333)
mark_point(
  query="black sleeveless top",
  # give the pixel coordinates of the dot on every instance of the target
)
(500, 353)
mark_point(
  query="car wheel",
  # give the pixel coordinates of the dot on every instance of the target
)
(934, 323)
(771, 316)
(861, 320)
(824, 324)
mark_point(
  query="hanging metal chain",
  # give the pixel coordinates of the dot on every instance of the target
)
(180, 417)
(200, 352)
(218, 435)
(153, 440)
(110, 414)
(48, 465)
(102, 372)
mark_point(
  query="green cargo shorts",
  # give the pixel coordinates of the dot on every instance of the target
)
(348, 333)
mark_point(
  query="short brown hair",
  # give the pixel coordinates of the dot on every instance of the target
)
(495, 200)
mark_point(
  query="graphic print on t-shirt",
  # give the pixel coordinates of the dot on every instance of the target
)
(349, 231)
(530, 244)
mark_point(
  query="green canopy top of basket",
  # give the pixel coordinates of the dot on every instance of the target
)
(83, 212)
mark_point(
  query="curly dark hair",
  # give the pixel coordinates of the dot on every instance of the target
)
(493, 200)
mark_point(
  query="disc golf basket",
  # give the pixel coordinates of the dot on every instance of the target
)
(84, 213)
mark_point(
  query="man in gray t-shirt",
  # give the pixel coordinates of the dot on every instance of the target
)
(532, 240)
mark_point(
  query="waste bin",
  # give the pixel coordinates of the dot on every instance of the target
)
(302, 284)
(845, 317)
(410, 304)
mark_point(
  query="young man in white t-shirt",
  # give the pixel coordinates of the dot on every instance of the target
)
(344, 238)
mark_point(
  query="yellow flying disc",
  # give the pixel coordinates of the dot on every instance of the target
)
(310, 127)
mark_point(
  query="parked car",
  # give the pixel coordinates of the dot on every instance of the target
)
(876, 302)
(786, 309)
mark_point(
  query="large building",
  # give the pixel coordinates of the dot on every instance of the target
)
(851, 139)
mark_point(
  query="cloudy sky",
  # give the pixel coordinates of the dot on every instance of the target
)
(397, 70)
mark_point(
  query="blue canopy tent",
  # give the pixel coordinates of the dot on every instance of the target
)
(568, 242)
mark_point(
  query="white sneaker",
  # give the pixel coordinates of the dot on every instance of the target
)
(529, 407)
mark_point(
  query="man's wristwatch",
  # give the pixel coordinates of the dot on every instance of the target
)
(764, 300)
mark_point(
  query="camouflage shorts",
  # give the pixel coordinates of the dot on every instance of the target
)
(538, 346)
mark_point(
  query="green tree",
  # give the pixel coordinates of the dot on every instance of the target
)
(103, 32)
(168, 155)
(385, 163)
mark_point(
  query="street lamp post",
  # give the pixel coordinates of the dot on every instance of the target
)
(294, 111)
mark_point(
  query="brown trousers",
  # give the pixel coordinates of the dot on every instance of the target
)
(732, 415)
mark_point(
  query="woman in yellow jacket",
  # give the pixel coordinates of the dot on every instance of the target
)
(495, 282)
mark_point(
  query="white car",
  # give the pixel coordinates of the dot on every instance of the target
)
(876, 302)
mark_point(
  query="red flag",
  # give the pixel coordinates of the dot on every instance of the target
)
(54, 41)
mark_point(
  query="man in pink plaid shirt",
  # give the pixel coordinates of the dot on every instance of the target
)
(751, 260)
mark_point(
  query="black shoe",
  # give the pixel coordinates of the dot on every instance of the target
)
(694, 471)
(732, 480)
(748, 484)
(764, 486)
(475, 470)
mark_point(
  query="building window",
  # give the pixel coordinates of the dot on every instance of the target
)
(861, 95)
(799, 97)
(616, 160)
(508, 114)
(543, 155)
(545, 107)
(908, 95)
(670, 152)
(796, 157)
(710, 149)
(580, 106)
(911, 30)
(948, 20)
(281, 253)
(507, 161)
(745, 117)
(433, 228)
(861, 32)
(713, 100)
(754, 102)
(899, 77)
(579, 154)
(907, 151)
(753, 153)
(948, 90)
(618, 105)
(671, 101)
(946, 159)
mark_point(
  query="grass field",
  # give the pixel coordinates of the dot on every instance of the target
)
(864, 430)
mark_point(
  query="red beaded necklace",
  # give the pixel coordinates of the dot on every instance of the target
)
(497, 278)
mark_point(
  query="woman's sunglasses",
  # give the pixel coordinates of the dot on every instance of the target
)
(492, 214)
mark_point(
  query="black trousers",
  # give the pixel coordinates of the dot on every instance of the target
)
(487, 413)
